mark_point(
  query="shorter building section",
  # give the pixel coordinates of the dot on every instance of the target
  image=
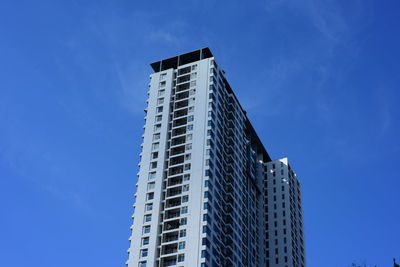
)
(284, 216)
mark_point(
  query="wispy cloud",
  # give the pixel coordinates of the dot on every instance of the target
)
(33, 161)
(384, 110)
(165, 37)
(124, 35)
(333, 30)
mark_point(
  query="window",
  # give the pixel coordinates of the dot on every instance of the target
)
(145, 240)
(188, 146)
(185, 199)
(184, 210)
(191, 109)
(193, 83)
(151, 185)
(187, 167)
(153, 164)
(146, 229)
(183, 221)
(186, 177)
(188, 156)
(185, 188)
(161, 92)
(160, 101)
(182, 233)
(156, 136)
(142, 264)
(158, 118)
(144, 253)
(181, 245)
(190, 127)
(193, 75)
(194, 67)
(150, 196)
(163, 76)
(155, 146)
(157, 127)
(147, 218)
(160, 109)
(189, 137)
(203, 253)
(190, 118)
(181, 257)
(149, 207)
(163, 84)
(154, 155)
(152, 175)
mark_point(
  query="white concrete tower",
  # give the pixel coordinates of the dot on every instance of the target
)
(284, 216)
(201, 186)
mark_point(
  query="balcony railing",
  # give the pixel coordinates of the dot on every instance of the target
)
(175, 181)
(182, 87)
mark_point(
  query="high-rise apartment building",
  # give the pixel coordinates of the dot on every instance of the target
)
(208, 193)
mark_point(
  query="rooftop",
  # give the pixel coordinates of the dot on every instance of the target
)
(182, 59)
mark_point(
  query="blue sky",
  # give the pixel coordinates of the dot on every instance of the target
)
(319, 79)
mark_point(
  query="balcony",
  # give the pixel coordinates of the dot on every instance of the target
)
(176, 160)
(180, 113)
(182, 87)
(168, 261)
(228, 218)
(171, 225)
(171, 214)
(178, 141)
(173, 202)
(228, 208)
(184, 71)
(169, 237)
(181, 104)
(175, 170)
(227, 229)
(183, 79)
(169, 249)
(177, 150)
(179, 131)
(181, 96)
(174, 191)
(229, 178)
(180, 122)
(175, 180)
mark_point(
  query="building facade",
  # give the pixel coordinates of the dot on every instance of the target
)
(208, 193)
